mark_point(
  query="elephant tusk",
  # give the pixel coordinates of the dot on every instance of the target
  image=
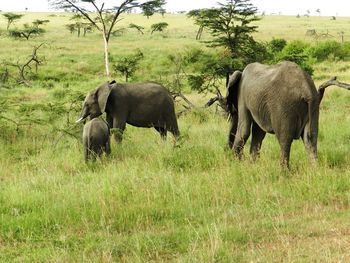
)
(79, 120)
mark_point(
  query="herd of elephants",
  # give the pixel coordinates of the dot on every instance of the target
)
(280, 99)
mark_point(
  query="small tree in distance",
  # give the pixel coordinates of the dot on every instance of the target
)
(159, 27)
(137, 27)
(196, 14)
(39, 22)
(11, 17)
(26, 32)
(127, 65)
(107, 18)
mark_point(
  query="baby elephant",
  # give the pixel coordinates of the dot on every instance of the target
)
(96, 139)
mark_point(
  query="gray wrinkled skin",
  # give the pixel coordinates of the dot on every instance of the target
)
(279, 99)
(96, 139)
(141, 105)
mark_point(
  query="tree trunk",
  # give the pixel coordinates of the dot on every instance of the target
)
(106, 54)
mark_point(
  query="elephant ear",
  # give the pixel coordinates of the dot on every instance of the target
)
(102, 94)
(232, 92)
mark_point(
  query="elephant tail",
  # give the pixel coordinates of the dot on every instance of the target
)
(312, 129)
(232, 92)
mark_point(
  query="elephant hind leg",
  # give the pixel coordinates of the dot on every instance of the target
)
(171, 125)
(285, 135)
(258, 136)
(243, 132)
(162, 131)
(175, 131)
(310, 144)
(285, 144)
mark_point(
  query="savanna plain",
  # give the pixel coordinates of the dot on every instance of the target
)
(151, 201)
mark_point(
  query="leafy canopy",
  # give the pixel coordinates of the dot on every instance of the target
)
(127, 65)
(11, 17)
(159, 27)
(230, 25)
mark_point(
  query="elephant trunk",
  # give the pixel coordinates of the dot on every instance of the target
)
(83, 115)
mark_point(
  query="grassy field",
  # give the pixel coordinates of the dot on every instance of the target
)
(149, 201)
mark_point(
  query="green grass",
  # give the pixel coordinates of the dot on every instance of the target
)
(153, 202)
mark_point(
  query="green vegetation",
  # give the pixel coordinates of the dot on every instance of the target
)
(11, 18)
(127, 65)
(151, 201)
(26, 32)
(159, 27)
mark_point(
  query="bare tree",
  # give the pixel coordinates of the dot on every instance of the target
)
(25, 67)
(106, 18)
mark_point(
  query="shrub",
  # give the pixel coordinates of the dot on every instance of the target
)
(330, 50)
(298, 52)
(277, 45)
(127, 65)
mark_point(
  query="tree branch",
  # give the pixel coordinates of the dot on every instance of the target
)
(331, 82)
(81, 11)
(121, 9)
(179, 94)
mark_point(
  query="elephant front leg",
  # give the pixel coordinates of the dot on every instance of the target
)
(119, 127)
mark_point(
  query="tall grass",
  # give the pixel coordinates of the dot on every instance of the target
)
(151, 201)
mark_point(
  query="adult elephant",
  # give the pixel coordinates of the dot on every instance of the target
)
(279, 99)
(140, 105)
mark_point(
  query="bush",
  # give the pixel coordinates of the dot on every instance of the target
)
(127, 65)
(330, 50)
(208, 69)
(277, 45)
(298, 52)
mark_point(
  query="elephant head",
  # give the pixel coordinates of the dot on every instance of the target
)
(95, 101)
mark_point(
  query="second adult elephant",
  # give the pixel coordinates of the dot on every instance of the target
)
(279, 99)
(140, 105)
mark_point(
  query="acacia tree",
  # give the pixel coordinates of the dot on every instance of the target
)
(39, 22)
(159, 27)
(137, 27)
(196, 14)
(230, 25)
(26, 32)
(127, 65)
(11, 17)
(231, 28)
(107, 18)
